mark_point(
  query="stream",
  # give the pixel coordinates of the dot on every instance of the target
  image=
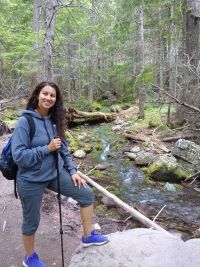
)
(181, 205)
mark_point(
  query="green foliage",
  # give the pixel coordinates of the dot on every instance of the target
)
(97, 40)
(16, 34)
(96, 105)
(82, 103)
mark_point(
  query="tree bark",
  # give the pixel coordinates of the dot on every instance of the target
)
(92, 58)
(140, 59)
(50, 19)
(172, 56)
(191, 10)
(37, 12)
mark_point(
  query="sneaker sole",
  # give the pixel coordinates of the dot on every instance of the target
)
(24, 264)
(85, 245)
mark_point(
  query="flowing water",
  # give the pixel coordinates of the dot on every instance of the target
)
(178, 205)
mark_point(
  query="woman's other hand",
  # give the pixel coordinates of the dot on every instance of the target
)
(78, 181)
(55, 144)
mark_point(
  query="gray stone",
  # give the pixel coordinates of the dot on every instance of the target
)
(116, 128)
(101, 167)
(135, 149)
(80, 154)
(139, 248)
(130, 155)
(187, 150)
(119, 121)
(108, 202)
(144, 158)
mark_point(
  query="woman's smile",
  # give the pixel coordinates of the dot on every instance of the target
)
(46, 99)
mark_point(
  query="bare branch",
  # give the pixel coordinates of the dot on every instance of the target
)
(178, 100)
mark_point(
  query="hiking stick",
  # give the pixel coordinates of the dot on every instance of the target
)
(59, 204)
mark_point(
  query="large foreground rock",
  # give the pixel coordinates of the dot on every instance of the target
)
(139, 248)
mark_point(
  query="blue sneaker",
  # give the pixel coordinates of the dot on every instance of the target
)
(94, 239)
(33, 261)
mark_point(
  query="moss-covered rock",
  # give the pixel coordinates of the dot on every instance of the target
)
(166, 168)
(189, 152)
(154, 123)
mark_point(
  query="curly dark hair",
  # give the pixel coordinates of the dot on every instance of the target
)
(57, 111)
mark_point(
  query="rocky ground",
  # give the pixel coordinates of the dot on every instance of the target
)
(48, 238)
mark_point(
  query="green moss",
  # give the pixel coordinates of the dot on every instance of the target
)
(96, 105)
(154, 123)
(159, 170)
(113, 213)
(101, 209)
(113, 190)
(10, 116)
(155, 115)
(145, 144)
(148, 181)
(164, 130)
(88, 149)
(178, 186)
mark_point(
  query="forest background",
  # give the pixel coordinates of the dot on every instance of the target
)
(104, 53)
(126, 50)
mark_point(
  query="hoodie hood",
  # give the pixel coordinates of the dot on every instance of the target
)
(34, 114)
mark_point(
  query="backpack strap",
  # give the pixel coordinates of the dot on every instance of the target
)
(32, 133)
(31, 125)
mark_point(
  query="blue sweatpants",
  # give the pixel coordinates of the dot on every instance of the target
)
(31, 198)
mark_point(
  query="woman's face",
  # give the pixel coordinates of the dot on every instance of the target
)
(46, 98)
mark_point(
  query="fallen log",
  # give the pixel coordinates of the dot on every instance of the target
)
(77, 117)
(174, 138)
(135, 138)
(136, 214)
(153, 141)
(93, 115)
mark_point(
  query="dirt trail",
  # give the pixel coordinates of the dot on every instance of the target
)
(48, 237)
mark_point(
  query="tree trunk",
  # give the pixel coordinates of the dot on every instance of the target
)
(172, 57)
(190, 92)
(140, 59)
(50, 18)
(37, 8)
(159, 56)
(92, 58)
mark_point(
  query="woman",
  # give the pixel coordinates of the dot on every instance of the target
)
(37, 168)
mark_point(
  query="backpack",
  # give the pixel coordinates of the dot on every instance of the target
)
(7, 165)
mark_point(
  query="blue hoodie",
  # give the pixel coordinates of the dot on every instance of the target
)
(35, 162)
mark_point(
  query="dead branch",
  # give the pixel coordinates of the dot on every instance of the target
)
(159, 213)
(178, 100)
(135, 138)
(174, 138)
(153, 141)
(192, 176)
